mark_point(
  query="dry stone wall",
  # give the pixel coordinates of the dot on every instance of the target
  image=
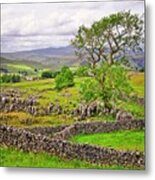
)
(27, 141)
(48, 131)
(97, 127)
(66, 131)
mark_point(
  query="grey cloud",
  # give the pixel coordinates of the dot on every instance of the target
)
(39, 25)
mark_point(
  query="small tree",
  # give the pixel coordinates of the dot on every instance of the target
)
(64, 79)
(109, 38)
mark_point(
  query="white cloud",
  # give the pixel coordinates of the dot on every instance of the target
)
(30, 26)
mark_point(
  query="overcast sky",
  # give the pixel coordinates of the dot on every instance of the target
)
(33, 26)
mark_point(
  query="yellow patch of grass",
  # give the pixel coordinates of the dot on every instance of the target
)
(137, 82)
(137, 78)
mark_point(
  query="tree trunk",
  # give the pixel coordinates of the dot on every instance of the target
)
(93, 65)
(110, 60)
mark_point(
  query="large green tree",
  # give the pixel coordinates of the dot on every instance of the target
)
(109, 38)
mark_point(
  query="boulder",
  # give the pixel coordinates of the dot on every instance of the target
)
(123, 116)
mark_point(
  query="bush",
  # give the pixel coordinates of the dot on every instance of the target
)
(82, 71)
(89, 89)
(64, 79)
(15, 78)
(10, 78)
(49, 74)
(46, 74)
(109, 84)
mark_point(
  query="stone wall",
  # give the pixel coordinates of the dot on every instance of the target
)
(65, 131)
(97, 127)
(48, 131)
(27, 141)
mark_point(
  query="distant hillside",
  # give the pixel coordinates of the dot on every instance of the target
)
(48, 52)
(137, 61)
(48, 57)
(57, 57)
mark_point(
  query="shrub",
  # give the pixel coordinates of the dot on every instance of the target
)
(35, 70)
(109, 84)
(64, 79)
(82, 71)
(49, 74)
(46, 74)
(6, 78)
(15, 78)
(89, 89)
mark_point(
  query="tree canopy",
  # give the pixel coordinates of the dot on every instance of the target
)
(110, 37)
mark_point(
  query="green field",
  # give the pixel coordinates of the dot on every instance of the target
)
(14, 66)
(69, 98)
(45, 89)
(121, 140)
(12, 157)
(19, 66)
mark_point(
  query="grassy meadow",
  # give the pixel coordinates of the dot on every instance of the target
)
(122, 140)
(11, 157)
(69, 98)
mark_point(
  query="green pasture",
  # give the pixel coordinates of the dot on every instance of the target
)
(121, 140)
(11, 157)
(69, 98)
(20, 67)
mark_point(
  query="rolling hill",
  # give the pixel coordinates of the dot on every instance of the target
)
(54, 58)
(48, 57)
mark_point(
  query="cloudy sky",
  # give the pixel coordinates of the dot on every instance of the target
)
(33, 26)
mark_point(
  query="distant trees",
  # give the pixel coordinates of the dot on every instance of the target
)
(110, 37)
(49, 74)
(24, 73)
(3, 70)
(15, 78)
(46, 74)
(8, 78)
(64, 79)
